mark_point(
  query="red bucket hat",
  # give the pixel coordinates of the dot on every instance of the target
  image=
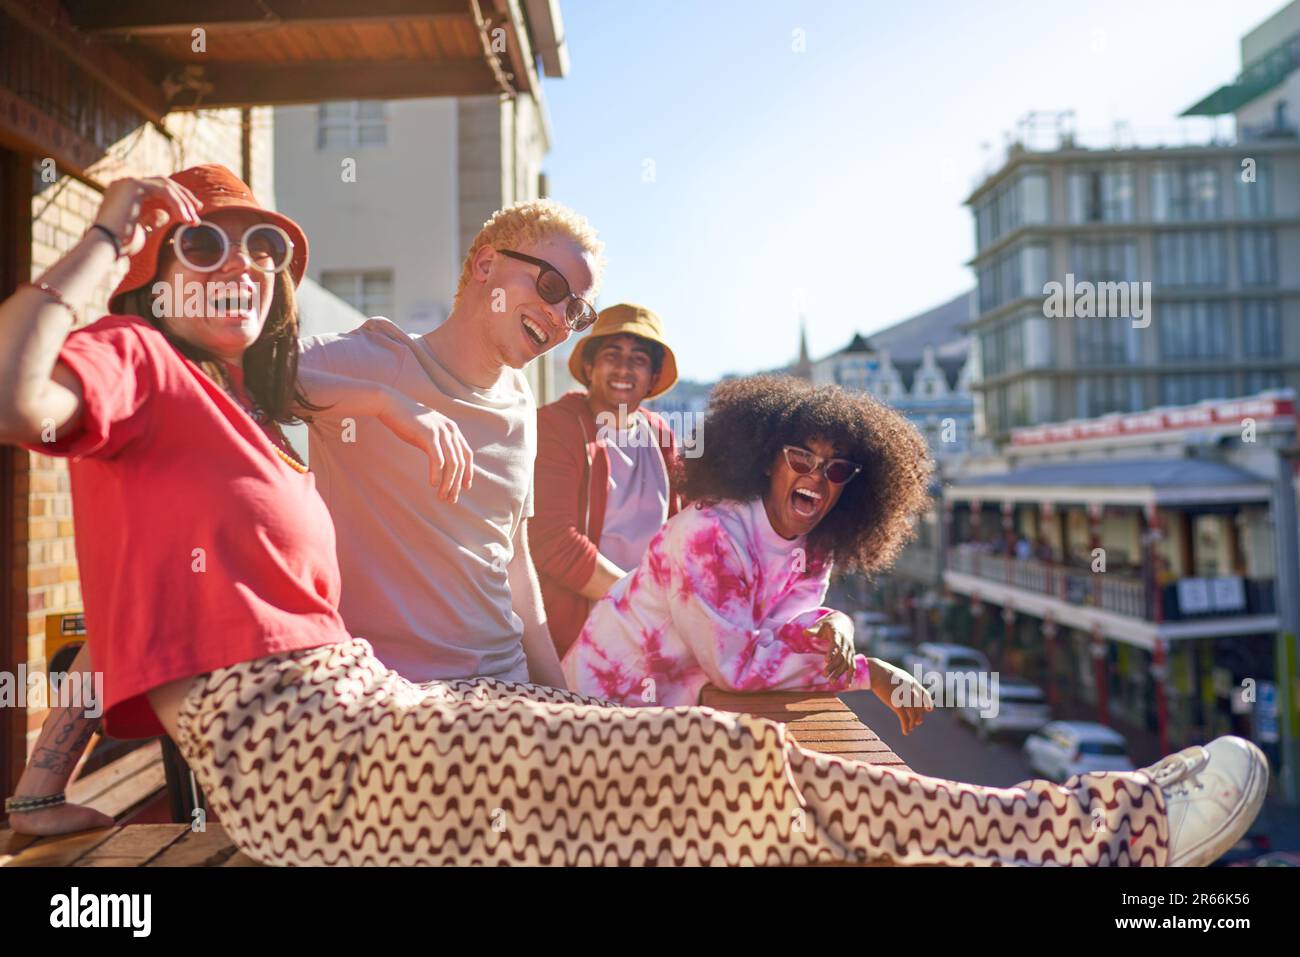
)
(218, 188)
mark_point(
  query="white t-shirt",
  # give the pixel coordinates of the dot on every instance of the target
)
(424, 581)
(636, 505)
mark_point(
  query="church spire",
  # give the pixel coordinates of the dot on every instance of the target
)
(803, 365)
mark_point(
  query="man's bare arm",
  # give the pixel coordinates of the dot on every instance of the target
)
(451, 460)
(526, 597)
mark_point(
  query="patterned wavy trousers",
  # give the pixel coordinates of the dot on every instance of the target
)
(328, 757)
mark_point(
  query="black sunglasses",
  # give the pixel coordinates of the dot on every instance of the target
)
(837, 471)
(554, 289)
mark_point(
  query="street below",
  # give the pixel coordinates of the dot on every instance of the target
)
(943, 747)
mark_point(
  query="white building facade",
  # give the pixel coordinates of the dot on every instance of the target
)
(391, 192)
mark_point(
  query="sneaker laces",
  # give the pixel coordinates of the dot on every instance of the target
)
(1173, 773)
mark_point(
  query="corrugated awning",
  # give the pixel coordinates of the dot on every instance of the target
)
(1228, 98)
(1257, 79)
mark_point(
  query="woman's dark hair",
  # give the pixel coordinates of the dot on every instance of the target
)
(270, 364)
(748, 421)
(592, 346)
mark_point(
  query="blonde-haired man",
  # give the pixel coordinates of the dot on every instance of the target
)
(439, 579)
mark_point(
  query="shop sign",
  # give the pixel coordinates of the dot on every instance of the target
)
(1193, 596)
(1201, 596)
(1228, 594)
(1266, 713)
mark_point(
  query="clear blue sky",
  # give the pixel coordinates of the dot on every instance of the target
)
(831, 181)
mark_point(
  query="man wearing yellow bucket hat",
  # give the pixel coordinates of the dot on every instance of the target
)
(605, 480)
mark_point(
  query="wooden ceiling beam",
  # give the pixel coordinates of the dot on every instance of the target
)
(241, 85)
(123, 77)
(149, 17)
(520, 49)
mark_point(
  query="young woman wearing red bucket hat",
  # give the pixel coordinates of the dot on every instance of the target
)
(211, 590)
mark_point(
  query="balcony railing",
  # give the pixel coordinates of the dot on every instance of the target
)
(1267, 131)
(1115, 592)
(1189, 132)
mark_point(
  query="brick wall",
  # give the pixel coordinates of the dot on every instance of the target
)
(45, 566)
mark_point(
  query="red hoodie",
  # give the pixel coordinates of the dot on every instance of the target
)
(570, 485)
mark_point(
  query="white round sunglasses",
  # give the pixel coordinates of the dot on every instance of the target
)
(205, 247)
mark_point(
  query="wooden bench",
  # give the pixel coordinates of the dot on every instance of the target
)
(819, 722)
(130, 845)
(119, 790)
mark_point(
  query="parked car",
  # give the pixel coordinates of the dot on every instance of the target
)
(874, 634)
(1021, 707)
(891, 642)
(943, 658)
(863, 623)
(1272, 859)
(865, 619)
(1061, 749)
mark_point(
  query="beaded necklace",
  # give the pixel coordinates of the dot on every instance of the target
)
(272, 430)
(277, 437)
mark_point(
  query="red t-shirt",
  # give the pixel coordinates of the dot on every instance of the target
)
(198, 546)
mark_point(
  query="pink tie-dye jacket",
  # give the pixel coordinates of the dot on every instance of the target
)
(719, 598)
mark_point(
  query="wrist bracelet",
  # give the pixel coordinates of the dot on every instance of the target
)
(112, 237)
(18, 805)
(57, 296)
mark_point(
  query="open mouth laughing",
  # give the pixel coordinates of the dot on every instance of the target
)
(233, 300)
(621, 386)
(806, 502)
(535, 331)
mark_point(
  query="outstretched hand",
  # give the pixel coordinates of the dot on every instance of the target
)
(901, 692)
(451, 460)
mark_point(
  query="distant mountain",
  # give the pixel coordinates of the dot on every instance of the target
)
(939, 327)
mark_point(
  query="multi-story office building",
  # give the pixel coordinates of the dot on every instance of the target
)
(1217, 250)
(1214, 228)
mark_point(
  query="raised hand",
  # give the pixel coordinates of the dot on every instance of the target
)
(121, 210)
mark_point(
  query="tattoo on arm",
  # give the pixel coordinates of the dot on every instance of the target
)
(48, 759)
(68, 726)
(70, 739)
(83, 738)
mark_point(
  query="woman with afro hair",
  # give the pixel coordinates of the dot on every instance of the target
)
(793, 479)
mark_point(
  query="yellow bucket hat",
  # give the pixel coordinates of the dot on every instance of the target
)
(635, 321)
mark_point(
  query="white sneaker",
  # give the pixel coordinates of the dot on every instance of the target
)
(1212, 794)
